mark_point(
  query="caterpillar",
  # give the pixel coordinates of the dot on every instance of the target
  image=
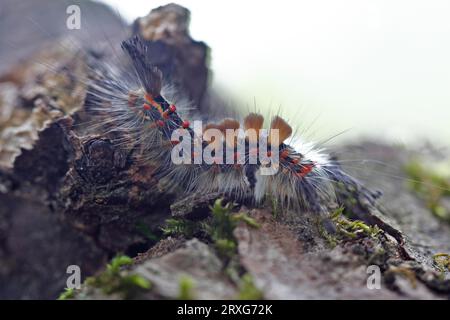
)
(138, 109)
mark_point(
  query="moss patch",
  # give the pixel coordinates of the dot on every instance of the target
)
(116, 280)
(248, 290)
(352, 228)
(68, 294)
(432, 184)
(347, 229)
(222, 225)
(181, 227)
(186, 288)
(442, 260)
(218, 228)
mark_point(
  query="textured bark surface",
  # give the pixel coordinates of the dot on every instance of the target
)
(183, 61)
(67, 197)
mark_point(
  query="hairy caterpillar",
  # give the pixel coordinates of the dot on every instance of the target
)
(137, 108)
(142, 112)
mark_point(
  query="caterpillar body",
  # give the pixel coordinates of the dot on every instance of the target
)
(137, 108)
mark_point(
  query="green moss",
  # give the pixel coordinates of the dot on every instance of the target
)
(245, 218)
(182, 227)
(404, 272)
(225, 247)
(347, 228)
(68, 293)
(432, 184)
(330, 239)
(221, 227)
(119, 262)
(223, 221)
(221, 230)
(442, 260)
(248, 290)
(116, 280)
(186, 288)
(273, 203)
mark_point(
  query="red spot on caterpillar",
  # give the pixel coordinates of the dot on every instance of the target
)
(174, 142)
(147, 107)
(172, 108)
(307, 168)
(160, 123)
(269, 153)
(185, 124)
(148, 97)
(152, 102)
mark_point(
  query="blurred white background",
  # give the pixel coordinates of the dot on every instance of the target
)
(379, 68)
